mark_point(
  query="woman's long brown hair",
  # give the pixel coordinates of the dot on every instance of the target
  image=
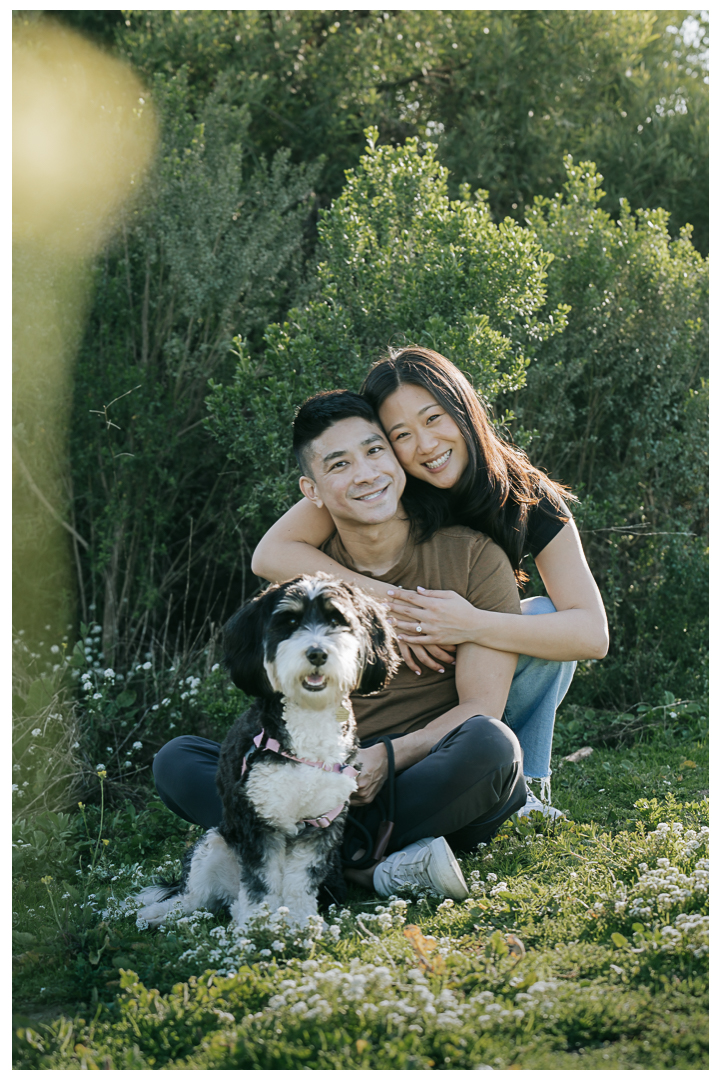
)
(499, 485)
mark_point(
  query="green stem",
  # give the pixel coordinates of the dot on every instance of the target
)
(102, 813)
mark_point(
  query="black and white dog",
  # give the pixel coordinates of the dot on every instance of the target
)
(285, 773)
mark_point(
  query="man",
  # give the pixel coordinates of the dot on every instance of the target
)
(459, 770)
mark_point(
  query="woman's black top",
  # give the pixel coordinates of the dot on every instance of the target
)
(543, 524)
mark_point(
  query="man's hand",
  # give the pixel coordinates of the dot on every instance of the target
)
(444, 656)
(372, 762)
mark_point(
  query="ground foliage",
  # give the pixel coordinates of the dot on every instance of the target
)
(583, 943)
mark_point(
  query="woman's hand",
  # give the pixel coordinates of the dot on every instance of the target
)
(445, 618)
(372, 761)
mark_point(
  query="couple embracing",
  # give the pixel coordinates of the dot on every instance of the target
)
(410, 493)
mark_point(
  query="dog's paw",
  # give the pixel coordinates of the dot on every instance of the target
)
(153, 915)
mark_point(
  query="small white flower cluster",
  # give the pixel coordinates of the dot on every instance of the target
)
(227, 948)
(476, 884)
(667, 886)
(695, 928)
(678, 840)
(386, 916)
(193, 683)
(658, 890)
(386, 997)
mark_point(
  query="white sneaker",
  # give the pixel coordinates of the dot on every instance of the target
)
(533, 803)
(429, 864)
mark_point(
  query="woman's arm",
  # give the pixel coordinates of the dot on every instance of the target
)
(577, 630)
(290, 547)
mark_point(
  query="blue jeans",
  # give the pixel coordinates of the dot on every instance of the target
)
(537, 689)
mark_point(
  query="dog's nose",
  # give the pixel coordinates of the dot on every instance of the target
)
(316, 655)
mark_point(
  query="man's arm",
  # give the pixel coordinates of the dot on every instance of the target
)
(482, 680)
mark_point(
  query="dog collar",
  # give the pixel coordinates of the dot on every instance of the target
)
(274, 747)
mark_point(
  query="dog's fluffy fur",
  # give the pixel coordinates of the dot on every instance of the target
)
(300, 648)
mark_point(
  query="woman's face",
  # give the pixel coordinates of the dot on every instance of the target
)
(426, 439)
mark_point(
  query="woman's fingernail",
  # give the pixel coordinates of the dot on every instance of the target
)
(441, 670)
(400, 637)
(420, 588)
(390, 592)
(417, 672)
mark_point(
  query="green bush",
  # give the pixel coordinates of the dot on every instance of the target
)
(576, 948)
(616, 406)
(401, 263)
(215, 247)
(504, 93)
(615, 401)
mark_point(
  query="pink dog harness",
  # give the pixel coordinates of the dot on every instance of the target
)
(273, 746)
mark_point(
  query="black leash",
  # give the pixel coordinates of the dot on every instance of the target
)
(374, 849)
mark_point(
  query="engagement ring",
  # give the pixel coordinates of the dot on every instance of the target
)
(418, 628)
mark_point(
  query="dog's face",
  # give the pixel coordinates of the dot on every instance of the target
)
(313, 640)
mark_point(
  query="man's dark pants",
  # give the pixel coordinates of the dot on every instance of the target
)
(466, 787)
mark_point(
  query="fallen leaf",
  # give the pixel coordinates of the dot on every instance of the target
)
(688, 765)
(423, 947)
(361, 1044)
(578, 755)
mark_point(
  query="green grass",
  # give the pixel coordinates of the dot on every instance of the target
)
(602, 982)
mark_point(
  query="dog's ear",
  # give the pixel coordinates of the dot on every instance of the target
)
(382, 658)
(244, 644)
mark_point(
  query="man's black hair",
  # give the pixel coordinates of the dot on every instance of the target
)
(319, 413)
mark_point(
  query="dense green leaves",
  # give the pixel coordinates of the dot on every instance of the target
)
(504, 93)
(215, 246)
(401, 263)
(617, 407)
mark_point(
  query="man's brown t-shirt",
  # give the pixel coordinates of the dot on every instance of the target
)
(455, 558)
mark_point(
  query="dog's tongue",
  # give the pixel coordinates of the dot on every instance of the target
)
(315, 680)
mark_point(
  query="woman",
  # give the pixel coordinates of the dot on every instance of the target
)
(460, 470)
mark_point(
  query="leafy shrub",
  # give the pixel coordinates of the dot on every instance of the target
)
(214, 248)
(616, 406)
(626, 88)
(128, 716)
(674, 721)
(401, 263)
(610, 973)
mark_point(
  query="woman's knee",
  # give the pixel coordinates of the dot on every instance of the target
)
(537, 605)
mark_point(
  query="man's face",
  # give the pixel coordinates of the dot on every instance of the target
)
(355, 473)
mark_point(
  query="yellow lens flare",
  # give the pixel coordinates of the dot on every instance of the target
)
(84, 137)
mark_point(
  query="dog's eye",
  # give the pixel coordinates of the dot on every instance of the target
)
(337, 620)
